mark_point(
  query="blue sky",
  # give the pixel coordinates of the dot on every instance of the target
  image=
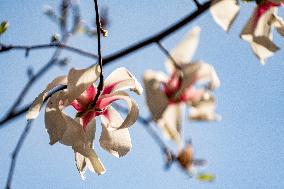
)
(244, 150)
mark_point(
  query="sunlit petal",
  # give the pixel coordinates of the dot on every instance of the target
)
(170, 123)
(224, 12)
(156, 99)
(35, 107)
(184, 51)
(80, 80)
(121, 79)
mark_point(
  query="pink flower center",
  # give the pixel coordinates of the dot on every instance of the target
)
(82, 103)
(173, 86)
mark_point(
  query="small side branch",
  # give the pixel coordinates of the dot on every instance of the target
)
(16, 153)
(28, 48)
(196, 2)
(167, 53)
(100, 62)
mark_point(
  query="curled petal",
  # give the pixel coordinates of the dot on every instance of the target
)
(204, 110)
(185, 50)
(170, 123)
(117, 142)
(37, 103)
(198, 72)
(121, 79)
(68, 131)
(156, 99)
(132, 115)
(80, 80)
(258, 32)
(224, 12)
(82, 161)
(278, 23)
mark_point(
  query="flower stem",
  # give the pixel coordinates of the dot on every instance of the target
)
(100, 62)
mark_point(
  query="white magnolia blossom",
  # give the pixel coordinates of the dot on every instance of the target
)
(258, 30)
(79, 133)
(167, 95)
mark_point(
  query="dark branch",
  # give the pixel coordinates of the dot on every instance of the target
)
(5, 48)
(15, 154)
(101, 83)
(167, 53)
(159, 36)
(196, 2)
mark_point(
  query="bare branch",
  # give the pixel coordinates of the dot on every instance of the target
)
(167, 53)
(5, 48)
(16, 152)
(196, 2)
(159, 36)
(100, 62)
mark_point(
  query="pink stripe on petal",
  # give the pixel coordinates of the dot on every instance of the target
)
(90, 93)
(76, 105)
(105, 101)
(87, 118)
(106, 115)
(109, 88)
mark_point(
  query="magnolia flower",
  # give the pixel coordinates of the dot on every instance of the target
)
(258, 30)
(79, 133)
(166, 96)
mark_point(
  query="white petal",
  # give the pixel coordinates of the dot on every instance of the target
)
(123, 79)
(37, 103)
(198, 72)
(170, 123)
(81, 161)
(224, 12)
(81, 164)
(61, 127)
(260, 35)
(185, 50)
(79, 80)
(156, 99)
(204, 110)
(132, 107)
(278, 23)
(117, 142)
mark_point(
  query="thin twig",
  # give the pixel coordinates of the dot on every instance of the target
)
(167, 53)
(159, 36)
(16, 152)
(130, 49)
(196, 2)
(100, 62)
(5, 48)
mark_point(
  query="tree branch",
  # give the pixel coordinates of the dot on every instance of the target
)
(168, 54)
(159, 36)
(100, 62)
(5, 48)
(15, 154)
